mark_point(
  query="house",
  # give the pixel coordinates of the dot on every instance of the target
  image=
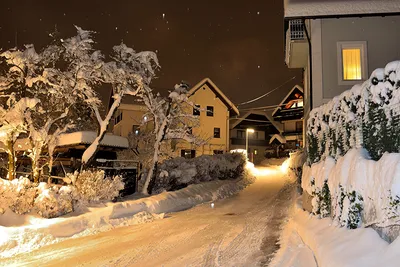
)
(339, 44)
(214, 110)
(290, 113)
(129, 116)
(210, 104)
(256, 128)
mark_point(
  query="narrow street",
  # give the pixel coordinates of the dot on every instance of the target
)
(238, 231)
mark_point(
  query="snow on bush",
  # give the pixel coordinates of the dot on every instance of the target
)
(18, 195)
(53, 201)
(362, 191)
(93, 186)
(366, 116)
(178, 173)
(22, 196)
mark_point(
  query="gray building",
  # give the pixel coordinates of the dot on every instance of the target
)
(339, 43)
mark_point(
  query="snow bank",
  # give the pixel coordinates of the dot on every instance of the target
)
(376, 183)
(25, 233)
(309, 241)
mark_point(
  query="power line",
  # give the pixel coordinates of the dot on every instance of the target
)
(266, 94)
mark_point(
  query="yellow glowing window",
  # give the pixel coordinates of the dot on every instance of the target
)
(351, 58)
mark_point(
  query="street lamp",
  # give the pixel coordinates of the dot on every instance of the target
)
(247, 140)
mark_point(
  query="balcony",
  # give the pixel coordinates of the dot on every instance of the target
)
(252, 142)
(296, 50)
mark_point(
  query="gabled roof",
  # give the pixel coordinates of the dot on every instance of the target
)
(277, 125)
(231, 107)
(278, 137)
(284, 101)
(339, 8)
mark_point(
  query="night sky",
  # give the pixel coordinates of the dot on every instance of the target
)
(240, 46)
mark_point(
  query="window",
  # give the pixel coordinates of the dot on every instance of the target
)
(188, 154)
(352, 62)
(210, 111)
(241, 134)
(118, 118)
(255, 151)
(135, 129)
(217, 133)
(196, 110)
(190, 130)
(218, 152)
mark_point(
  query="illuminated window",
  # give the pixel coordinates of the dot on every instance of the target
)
(352, 62)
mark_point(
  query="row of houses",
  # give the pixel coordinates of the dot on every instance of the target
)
(223, 125)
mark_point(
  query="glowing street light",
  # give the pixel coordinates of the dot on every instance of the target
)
(247, 140)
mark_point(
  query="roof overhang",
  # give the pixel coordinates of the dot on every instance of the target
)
(233, 110)
(307, 9)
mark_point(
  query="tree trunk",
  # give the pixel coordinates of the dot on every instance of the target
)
(11, 160)
(35, 170)
(159, 138)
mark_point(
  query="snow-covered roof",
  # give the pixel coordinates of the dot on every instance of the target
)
(215, 88)
(332, 8)
(278, 137)
(87, 137)
(285, 98)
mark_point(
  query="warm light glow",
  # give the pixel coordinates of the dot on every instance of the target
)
(285, 166)
(351, 64)
(250, 130)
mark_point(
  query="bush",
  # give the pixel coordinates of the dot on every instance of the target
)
(21, 196)
(178, 173)
(92, 186)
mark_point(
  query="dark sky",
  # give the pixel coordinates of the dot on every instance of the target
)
(240, 46)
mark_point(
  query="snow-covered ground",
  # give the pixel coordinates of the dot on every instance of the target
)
(24, 233)
(307, 241)
(238, 231)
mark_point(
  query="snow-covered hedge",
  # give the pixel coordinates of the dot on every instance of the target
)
(356, 190)
(22, 196)
(353, 145)
(366, 116)
(180, 172)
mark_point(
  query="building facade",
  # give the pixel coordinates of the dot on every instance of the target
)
(339, 45)
(211, 106)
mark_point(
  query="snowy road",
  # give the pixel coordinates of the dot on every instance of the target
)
(238, 231)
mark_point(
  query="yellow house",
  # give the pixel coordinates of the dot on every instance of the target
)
(129, 116)
(214, 110)
(212, 107)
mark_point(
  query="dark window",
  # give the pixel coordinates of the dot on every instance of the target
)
(190, 130)
(299, 126)
(241, 134)
(217, 133)
(210, 111)
(196, 110)
(135, 129)
(218, 152)
(118, 118)
(188, 154)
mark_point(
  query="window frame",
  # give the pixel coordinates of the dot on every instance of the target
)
(362, 45)
(196, 110)
(210, 111)
(219, 132)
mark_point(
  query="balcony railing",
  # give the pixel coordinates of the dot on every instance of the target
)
(296, 44)
(296, 30)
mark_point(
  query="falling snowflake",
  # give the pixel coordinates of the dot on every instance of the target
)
(163, 15)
